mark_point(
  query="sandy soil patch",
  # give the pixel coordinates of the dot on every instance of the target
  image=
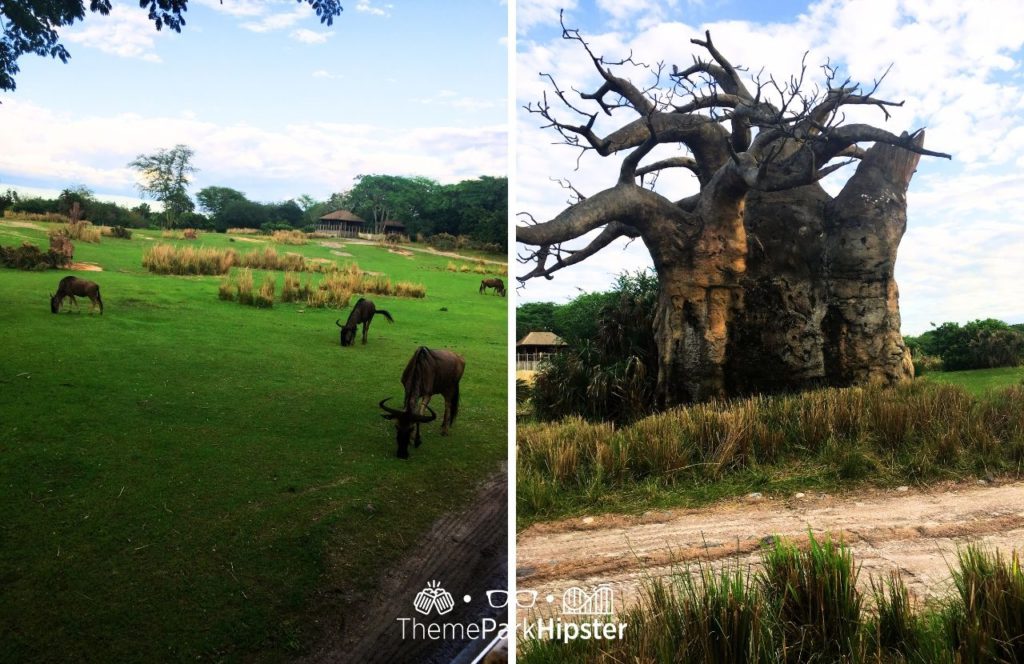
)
(916, 532)
(332, 245)
(86, 267)
(400, 252)
(344, 254)
(22, 224)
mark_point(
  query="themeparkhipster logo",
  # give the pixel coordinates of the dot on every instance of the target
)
(588, 615)
(598, 604)
(434, 599)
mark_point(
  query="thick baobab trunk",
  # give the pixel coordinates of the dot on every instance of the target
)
(821, 306)
(863, 229)
(700, 294)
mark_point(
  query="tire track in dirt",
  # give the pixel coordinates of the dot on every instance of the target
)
(916, 532)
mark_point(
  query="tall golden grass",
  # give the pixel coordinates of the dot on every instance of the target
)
(290, 237)
(478, 267)
(82, 231)
(168, 259)
(923, 429)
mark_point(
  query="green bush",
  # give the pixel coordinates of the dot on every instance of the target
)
(31, 257)
(979, 344)
(609, 370)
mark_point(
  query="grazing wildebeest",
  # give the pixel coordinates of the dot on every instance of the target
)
(429, 372)
(362, 312)
(497, 284)
(72, 286)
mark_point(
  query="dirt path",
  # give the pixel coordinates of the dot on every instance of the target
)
(915, 531)
(466, 552)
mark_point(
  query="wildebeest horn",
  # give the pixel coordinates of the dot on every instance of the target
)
(423, 419)
(393, 411)
(338, 323)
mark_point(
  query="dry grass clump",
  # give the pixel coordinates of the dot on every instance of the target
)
(269, 259)
(168, 259)
(83, 231)
(116, 231)
(408, 289)
(293, 290)
(333, 291)
(226, 289)
(264, 297)
(243, 231)
(244, 287)
(241, 288)
(917, 430)
(356, 280)
(33, 216)
(478, 267)
(290, 237)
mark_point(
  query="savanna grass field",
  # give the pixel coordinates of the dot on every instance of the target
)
(189, 478)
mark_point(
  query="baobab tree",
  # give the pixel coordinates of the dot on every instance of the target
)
(766, 282)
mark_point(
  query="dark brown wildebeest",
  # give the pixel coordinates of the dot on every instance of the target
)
(72, 286)
(362, 312)
(429, 372)
(497, 284)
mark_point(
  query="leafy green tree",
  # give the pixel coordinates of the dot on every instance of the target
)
(379, 198)
(288, 212)
(80, 195)
(32, 26)
(8, 199)
(165, 177)
(243, 214)
(215, 200)
(979, 344)
(535, 317)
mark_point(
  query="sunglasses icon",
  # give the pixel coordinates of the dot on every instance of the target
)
(498, 599)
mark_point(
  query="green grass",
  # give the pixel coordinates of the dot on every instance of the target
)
(185, 478)
(979, 381)
(822, 440)
(804, 606)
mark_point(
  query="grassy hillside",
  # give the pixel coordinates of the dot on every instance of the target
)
(183, 476)
(979, 381)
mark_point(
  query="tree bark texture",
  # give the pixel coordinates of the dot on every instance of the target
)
(812, 300)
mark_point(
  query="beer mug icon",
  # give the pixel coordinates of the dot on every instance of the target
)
(433, 597)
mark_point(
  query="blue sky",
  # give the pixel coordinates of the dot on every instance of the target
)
(957, 65)
(274, 103)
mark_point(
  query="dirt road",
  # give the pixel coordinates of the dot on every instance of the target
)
(465, 551)
(914, 531)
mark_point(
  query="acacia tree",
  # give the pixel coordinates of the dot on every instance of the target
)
(165, 177)
(766, 282)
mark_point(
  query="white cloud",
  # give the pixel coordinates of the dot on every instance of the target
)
(530, 13)
(367, 7)
(50, 145)
(236, 7)
(125, 32)
(310, 36)
(452, 99)
(323, 73)
(279, 20)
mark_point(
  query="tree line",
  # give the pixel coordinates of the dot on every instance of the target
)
(477, 208)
